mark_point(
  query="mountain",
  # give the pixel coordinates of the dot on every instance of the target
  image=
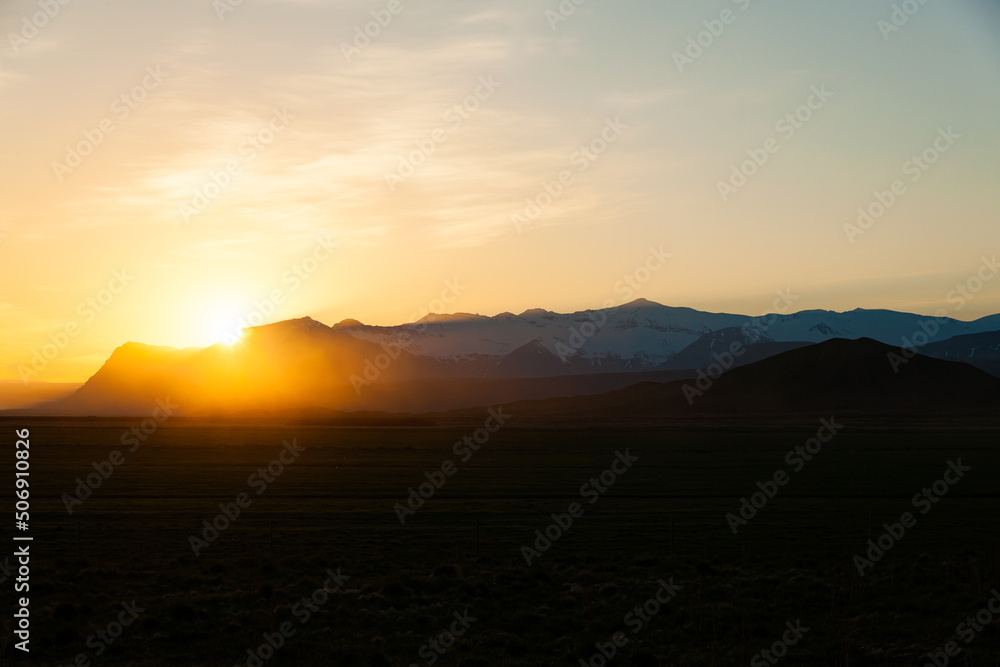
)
(851, 376)
(449, 360)
(284, 365)
(641, 335)
(530, 360)
(743, 344)
(981, 350)
(637, 336)
(303, 364)
(835, 378)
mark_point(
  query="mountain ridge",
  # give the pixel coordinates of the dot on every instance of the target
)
(837, 377)
(280, 365)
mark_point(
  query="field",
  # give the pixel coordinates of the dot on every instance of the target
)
(661, 521)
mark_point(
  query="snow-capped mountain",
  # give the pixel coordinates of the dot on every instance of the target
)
(446, 361)
(643, 334)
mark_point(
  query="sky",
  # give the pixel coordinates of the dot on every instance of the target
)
(172, 171)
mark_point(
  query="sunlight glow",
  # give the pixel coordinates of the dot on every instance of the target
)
(219, 320)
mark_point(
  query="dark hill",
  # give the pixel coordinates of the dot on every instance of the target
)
(981, 350)
(834, 377)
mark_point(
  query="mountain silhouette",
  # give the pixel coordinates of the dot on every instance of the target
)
(454, 362)
(981, 350)
(834, 377)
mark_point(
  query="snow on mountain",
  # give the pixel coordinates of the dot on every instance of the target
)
(646, 332)
(641, 334)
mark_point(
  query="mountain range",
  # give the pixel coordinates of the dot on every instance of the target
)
(449, 362)
(640, 335)
(836, 378)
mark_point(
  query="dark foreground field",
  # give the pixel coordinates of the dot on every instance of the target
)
(401, 586)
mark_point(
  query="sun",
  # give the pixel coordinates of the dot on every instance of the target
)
(226, 327)
(219, 320)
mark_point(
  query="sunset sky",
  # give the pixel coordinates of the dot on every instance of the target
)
(166, 97)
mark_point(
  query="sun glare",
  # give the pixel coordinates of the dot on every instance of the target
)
(219, 321)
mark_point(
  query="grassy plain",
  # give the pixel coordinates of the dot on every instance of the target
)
(664, 518)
